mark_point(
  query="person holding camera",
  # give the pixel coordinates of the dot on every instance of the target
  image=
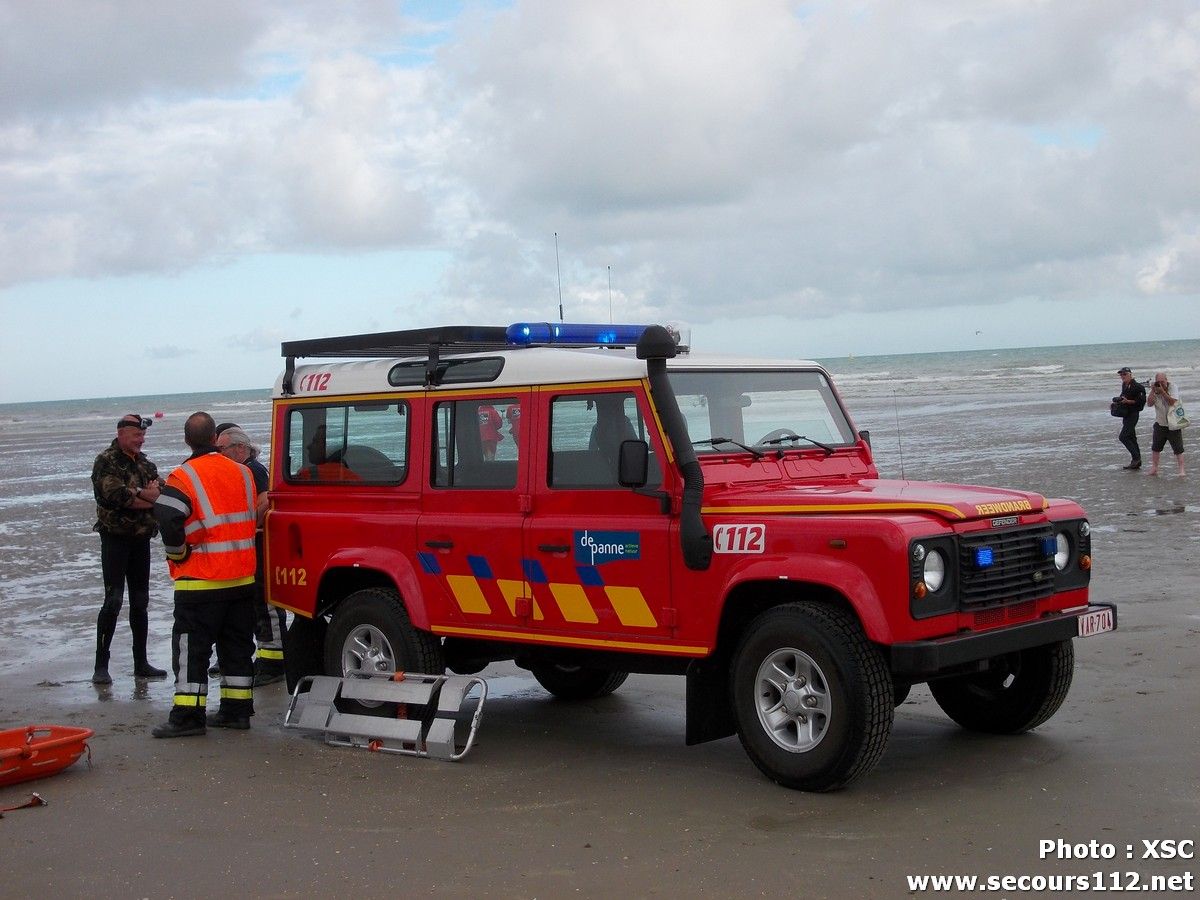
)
(1165, 396)
(1133, 400)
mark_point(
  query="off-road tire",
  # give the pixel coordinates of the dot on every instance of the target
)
(379, 611)
(848, 684)
(1018, 692)
(577, 682)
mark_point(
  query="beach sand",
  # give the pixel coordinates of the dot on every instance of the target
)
(602, 799)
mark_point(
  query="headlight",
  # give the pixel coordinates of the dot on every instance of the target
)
(1062, 551)
(934, 573)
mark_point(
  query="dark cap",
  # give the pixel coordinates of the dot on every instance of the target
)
(133, 420)
(225, 426)
(1124, 370)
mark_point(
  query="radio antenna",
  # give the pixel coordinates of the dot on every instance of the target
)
(558, 268)
(899, 443)
(610, 295)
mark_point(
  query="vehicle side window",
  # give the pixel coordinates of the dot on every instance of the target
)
(476, 443)
(586, 431)
(338, 443)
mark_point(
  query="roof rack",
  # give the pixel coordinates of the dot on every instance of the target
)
(433, 343)
(415, 342)
(420, 342)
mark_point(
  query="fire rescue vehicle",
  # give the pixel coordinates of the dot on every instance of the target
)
(591, 501)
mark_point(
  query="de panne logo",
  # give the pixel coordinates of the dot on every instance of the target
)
(594, 548)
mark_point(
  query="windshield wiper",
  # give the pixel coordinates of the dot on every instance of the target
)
(792, 438)
(712, 442)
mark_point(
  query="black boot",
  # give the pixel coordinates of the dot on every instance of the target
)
(171, 729)
(100, 675)
(225, 720)
(103, 639)
(139, 624)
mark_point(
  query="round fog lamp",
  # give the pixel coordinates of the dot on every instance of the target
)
(918, 552)
(1085, 528)
(934, 574)
(1062, 551)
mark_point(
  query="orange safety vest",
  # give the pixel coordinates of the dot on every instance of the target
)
(220, 529)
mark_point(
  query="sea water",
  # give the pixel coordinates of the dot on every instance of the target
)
(1035, 418)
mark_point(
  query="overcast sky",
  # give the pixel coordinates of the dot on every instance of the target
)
(183, 186)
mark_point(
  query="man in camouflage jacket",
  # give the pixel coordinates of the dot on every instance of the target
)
(125, 484)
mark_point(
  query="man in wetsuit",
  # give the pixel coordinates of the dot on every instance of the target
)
(125, 484)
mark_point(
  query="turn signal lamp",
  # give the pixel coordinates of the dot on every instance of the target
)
(919, 590)
(524, 334)
(1085, 562)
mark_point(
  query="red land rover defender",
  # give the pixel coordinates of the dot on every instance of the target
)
(591, 501)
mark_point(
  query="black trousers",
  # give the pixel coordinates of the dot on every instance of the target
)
(123, 561)
(204, 618)
(1128, 436)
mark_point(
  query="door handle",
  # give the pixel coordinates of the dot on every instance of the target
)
(554, 548)
(439, 545)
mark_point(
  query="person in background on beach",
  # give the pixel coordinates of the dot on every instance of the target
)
(1133, 398)
(207, 517)
(235, 444)
(1164, 396)
(125, 484)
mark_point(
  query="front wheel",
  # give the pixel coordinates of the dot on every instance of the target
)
(812, 696)
(577, 682)
(1019, 691)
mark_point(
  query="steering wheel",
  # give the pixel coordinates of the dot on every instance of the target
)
(772, 436)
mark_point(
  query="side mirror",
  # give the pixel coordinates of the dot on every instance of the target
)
(633, 463)
(866, 436)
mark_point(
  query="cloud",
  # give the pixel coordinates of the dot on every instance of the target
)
(716, 159)
(807, 159)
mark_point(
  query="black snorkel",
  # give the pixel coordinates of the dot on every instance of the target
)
(656, 346)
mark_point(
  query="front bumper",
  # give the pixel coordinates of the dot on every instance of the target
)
(917, 659)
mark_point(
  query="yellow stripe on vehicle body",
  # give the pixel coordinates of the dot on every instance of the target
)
(631, 607)
(951, 511)
(512, 590)
(527, 637)
(467, 592)
(573, 603)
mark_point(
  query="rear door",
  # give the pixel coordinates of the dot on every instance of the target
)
(473, 507)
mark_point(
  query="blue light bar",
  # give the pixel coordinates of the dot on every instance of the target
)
(984, 557)
(525, 334)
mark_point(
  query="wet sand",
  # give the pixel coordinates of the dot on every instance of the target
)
(602, 799)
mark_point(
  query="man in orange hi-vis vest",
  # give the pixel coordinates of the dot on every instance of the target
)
(206, 515)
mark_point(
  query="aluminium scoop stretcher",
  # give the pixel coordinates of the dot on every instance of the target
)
(405, 712)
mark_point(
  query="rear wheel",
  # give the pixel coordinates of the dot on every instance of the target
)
(371, 632)
(1019, 691)
(812, 697)
(577, 682)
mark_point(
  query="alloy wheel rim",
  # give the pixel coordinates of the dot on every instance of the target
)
(792, 699)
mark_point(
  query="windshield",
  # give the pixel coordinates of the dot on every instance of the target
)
(773, 409)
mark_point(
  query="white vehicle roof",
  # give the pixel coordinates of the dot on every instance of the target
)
(523, 367)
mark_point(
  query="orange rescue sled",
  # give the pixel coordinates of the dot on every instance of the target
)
(36, 751)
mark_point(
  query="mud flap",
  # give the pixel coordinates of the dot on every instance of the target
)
(709, 710)
(303, 649)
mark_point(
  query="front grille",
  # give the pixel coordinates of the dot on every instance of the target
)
(1020, 571)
